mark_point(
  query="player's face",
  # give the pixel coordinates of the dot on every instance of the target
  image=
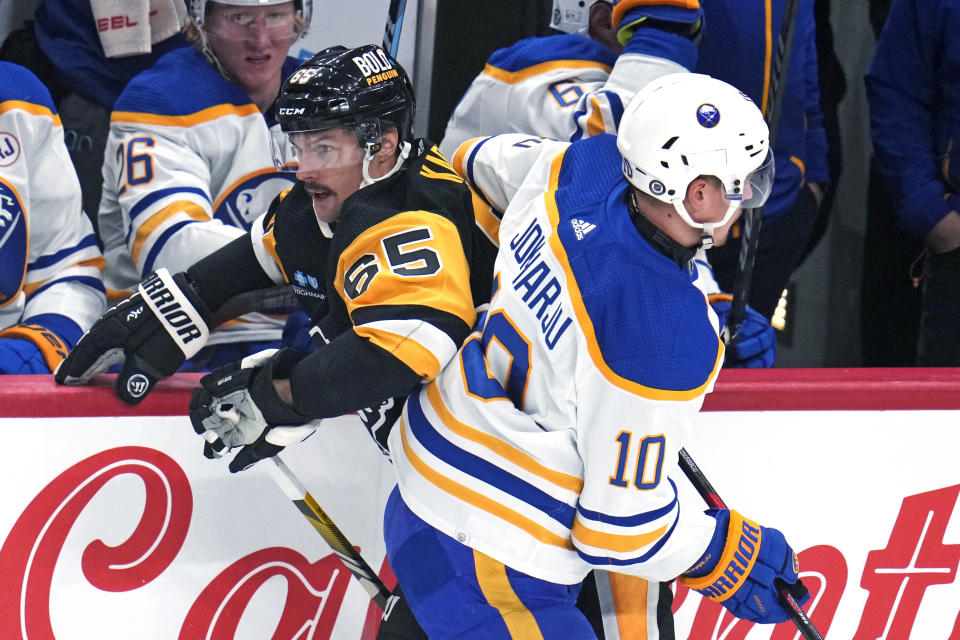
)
(331, 168)
(252, 42)
(718, 206)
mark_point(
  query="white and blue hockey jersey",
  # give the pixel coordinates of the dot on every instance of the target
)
(187, 168)
(50, 265)
(564, 86)
(550, 442)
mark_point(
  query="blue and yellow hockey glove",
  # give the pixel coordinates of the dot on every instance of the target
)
(742, 568)
(33, 348)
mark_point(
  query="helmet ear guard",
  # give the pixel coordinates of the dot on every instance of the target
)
(685, 125)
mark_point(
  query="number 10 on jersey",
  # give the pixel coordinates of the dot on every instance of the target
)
(649, 461)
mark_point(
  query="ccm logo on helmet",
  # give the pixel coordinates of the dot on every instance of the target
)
(375, 66)
(291, 111)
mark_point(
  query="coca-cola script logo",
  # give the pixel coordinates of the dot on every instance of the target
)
(29, 554)
(28, 558)
(895, 578)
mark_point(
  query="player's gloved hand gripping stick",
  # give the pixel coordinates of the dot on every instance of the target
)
(767, 561)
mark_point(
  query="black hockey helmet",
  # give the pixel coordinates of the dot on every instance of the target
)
(354, 88)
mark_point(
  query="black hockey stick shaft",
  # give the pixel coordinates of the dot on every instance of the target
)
(330, 532)
(391, 32)
(713, 500)
(752, 218)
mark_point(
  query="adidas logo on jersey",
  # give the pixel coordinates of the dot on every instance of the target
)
(581, 227)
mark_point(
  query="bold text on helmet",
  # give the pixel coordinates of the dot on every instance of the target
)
(372, 62)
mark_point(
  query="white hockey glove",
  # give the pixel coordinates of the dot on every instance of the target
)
(238, 406)
(152, 332)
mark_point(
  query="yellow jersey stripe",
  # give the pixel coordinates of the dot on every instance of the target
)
(595, 122)
(269, 242)
(186, 207)
(427, 172)
(413, 354)
(31, 108)
(461, 152)
(484, 217)
(493, 581)
(513, 77)
(613, 541)
(501, 448)
(189, 120)
(478, 500)
(98, 263)
(797, 161)
(435, 157)
(586, 323)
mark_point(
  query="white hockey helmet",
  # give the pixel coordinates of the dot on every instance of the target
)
(304, 8)
(685, 125)
(571, 16)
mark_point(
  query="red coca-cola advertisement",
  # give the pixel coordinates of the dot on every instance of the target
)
(114, 525)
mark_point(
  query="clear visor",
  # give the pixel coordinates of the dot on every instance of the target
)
(286, 159)
(279, 23)
(324, 149)
(752, 190)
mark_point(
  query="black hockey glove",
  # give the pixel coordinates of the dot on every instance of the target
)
(237, 405)
(152, 332)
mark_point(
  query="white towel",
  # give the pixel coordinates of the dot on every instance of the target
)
(131, 27)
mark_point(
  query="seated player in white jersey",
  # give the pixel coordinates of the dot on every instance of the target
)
(548, 447)
(188, 165)
(51, 284)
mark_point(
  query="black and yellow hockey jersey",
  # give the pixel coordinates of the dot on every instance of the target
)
(395, 289)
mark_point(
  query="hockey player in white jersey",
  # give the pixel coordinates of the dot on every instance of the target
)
(51, 284)
(188, 166)
(548, 447)
(573, 85)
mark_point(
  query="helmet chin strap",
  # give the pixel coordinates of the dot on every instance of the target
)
(405, 148)
(707, 228)
(325, 228)
(706, 239)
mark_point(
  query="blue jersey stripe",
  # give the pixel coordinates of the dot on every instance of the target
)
(91, 282)
(482, 470)
(162, 240)
(622, 562)
(630, 521)
(45, 261)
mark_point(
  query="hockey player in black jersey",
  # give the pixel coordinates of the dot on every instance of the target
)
(377, 240)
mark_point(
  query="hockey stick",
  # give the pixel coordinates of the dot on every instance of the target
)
(753, 217)
(317, 517)
(391, 32)
(713, 500)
